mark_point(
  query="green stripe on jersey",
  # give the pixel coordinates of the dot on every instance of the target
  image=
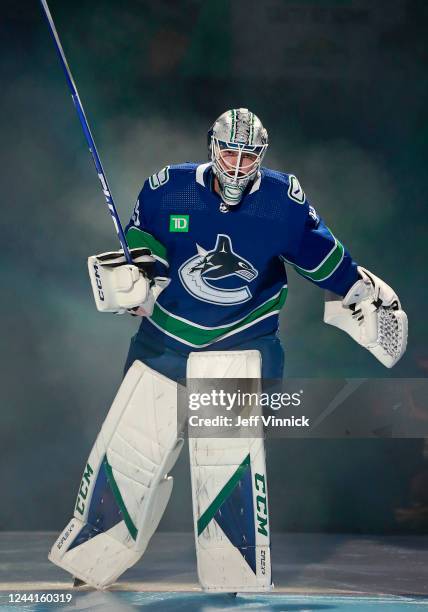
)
(327, 267)
(196, 335)
(137, 238)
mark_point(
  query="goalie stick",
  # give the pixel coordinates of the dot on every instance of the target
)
(87, 132)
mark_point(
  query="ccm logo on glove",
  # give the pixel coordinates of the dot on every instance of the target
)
(98, 283)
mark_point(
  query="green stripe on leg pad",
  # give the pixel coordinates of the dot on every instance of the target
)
(118, 497)
(210, 512)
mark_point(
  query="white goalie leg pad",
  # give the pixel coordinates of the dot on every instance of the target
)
(125, 488)
(229, 492)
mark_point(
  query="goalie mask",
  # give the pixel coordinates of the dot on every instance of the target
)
(237, 143)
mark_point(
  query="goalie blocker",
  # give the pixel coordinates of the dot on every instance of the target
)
(125, 486)
(119, 287)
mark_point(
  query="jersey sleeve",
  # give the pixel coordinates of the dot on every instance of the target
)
(140, 233)
(321, 257)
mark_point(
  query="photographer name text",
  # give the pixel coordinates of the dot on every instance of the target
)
(252, 421)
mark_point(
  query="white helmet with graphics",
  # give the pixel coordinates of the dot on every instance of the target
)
(237, 143)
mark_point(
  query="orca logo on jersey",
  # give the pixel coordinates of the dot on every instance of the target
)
(215, 265)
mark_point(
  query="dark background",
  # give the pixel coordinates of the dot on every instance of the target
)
(341, 86)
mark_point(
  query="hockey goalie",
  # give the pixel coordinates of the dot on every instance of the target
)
(210, 244)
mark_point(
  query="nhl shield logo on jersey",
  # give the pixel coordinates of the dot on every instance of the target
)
(220, 266)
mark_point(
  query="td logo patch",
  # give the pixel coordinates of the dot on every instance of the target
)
(179, 223)
(210, 276)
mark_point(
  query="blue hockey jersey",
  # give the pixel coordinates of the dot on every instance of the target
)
(227, 270)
